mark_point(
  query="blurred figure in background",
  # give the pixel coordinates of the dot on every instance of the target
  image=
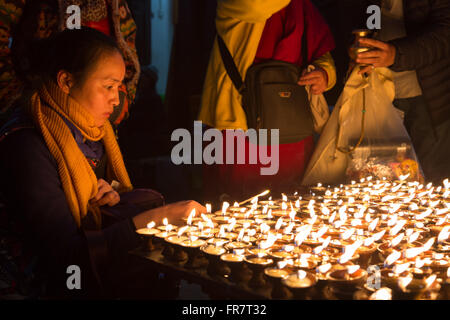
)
(414, 42)
(22, 21)
(254, 32)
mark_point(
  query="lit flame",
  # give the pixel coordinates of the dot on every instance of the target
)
(392, 221)
(264, 228)
(150, 225)
(379, 235)
(282, 264)
(265, 208)
(333, 216)
(387, 198)
(419, 263)
(241, 235)
(349, 251)
(182, 230)
(404, 282)
(403, 177)
(325, 210)
(399, 226)
(301, 274)
(165, 221)
(394, 256)
(225, 206)
(448, 272)
(210, 224)
(400, 268)
(271, 239)
(430, 280)
(394, 208)
(434, 203)
(319, 249)
(347, 234)
(425, 214)
(193, 238)
(444, 234)
(297, 204)
(322, 231)
(429, 244)
(284, 197)
(269, 214)
(382, 294)
(284, 206)
(303, 234)
(200, 226)
(343, 213)
(324, 268)
(396, 188)
(279, 223)
(352, 269)
(288, 248)
(373, 224)
(292, 214)
(361, 212)
(368, 242)
(239, 252)
(289, 228)
(191, 216)
(397, 240)
(208, 208)
(221, 232)
(413, 237)
(169, 228)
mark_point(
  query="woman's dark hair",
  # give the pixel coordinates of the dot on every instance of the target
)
(75, 51)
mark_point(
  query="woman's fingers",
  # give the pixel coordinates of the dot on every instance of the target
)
(110, 198)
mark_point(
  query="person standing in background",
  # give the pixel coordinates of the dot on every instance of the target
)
(255, 32)
(414, 42)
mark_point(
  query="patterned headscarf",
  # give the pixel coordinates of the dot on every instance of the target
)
(91, 10)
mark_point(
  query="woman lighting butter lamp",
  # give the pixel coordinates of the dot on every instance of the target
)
(58, 169)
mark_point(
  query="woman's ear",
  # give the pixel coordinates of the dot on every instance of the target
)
(64, 80)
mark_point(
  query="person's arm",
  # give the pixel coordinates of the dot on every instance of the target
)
(321, 79)
(10, 13)
(412, 52)
(326, 62)
(432, 44)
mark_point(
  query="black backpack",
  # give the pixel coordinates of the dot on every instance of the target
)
(271, 97)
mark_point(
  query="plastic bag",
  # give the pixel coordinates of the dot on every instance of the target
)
(364, 136)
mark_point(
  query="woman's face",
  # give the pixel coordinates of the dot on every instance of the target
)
(100, 91)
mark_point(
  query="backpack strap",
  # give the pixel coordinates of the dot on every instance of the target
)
(230, 65)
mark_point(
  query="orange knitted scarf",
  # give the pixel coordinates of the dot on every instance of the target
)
(77, 177)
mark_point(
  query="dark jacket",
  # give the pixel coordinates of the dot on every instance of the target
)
(426, 49)
(31, 185)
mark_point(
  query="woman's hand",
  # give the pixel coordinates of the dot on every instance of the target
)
(106, 195)
(317, 79)
(174, 212)
(383, 55)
